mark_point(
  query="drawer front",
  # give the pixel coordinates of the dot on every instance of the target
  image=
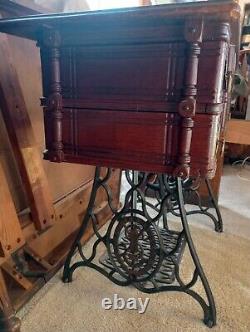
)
(144, 141)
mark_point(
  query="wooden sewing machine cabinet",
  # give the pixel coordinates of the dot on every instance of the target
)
(141, 88)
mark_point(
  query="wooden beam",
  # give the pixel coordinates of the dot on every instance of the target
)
(69, 212)
(22, 138)
(11, 235)
(9, 268)
(8, 322)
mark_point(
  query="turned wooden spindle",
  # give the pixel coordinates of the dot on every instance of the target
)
(52, 39)
(187, 107)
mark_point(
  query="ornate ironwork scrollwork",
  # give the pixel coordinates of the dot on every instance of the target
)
(132, 249)
(191, 192)
(141, 247)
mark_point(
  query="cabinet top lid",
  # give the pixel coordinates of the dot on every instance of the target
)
(28, 26)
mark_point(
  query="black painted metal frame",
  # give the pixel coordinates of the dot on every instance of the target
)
(141, 247)
(191, 192)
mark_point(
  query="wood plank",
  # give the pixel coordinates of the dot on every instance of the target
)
(238, 132)
(8, 323)
(9, 268)
(69, 214)
(22, 138)
(11, 236)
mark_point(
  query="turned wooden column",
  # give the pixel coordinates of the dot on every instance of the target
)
(53, 103)
(187, 107)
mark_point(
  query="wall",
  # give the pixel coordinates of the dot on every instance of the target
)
(80, 5)
(63, 5)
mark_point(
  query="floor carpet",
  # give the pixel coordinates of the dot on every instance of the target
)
(76, 307)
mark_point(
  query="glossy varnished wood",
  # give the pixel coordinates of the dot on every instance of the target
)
(140, 88)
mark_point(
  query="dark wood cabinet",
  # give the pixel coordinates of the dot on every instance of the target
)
(140, 88)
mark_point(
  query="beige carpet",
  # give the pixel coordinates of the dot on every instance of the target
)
(226, 260)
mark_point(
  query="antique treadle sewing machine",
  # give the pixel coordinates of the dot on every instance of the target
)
(143, 89)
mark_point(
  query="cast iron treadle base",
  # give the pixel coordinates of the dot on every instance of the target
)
(141, 248)
(191, 193)
(166, 273)
(191, 188)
